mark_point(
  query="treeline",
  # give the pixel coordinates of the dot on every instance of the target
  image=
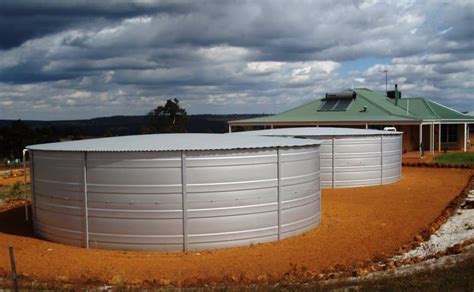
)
(15, 135)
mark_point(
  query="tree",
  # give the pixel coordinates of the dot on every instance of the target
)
(170, 118)
(17, 135)
(15, 138)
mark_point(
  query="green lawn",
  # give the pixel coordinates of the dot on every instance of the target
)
(456, 158)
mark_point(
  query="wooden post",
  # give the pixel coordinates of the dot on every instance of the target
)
(13, 266)
(4, 260)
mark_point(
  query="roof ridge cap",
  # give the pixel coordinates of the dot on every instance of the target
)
(451, 109)
(410, 116)
(430, 108)
(382, 108)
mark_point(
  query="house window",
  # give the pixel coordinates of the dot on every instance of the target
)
(449, 133)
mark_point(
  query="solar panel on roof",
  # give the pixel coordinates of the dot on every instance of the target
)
(328, 105)
(342, 105)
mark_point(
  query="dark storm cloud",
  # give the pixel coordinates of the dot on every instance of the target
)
(22, 20)
(114, 57)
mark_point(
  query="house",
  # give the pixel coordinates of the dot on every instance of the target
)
(423, 122)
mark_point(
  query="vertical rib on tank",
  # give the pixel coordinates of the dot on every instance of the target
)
(350, 157)
(186, 195)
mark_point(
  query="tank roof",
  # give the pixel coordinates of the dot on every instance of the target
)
(318, 131)
(172, 142)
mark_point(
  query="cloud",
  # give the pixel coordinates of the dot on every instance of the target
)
(267, 56)
(22, 20)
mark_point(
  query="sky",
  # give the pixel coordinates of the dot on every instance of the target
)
(83, 59)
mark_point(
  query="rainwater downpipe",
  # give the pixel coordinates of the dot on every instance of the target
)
(25, 184)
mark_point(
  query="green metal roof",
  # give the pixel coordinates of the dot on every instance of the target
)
(379, 108)
(430, 110)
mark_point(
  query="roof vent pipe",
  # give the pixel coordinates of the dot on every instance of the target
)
(396, 94)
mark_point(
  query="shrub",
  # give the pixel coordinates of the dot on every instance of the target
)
(15, 192)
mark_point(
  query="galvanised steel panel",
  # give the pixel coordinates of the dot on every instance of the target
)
(135, 199)
(392, 158)
(231, 199)
(115, 227)
(259, 237)
(358, 157)
(59, 220)
(358, 145)
(140, 201)
(326, 163)
(300, 192)
(58, 187)
(236, 201)
(137, 244)
(297, 219)
(59, 190)
(225, 228)
(357, 161)
(60, 206)
(65, 236)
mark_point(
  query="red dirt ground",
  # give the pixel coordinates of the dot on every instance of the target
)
(358, 225)
(17, 176)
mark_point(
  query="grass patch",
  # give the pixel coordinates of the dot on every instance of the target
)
(13, 192)
(456, 158)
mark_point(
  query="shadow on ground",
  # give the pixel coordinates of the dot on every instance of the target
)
(12, 221)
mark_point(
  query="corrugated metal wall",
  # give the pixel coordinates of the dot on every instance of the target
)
(360, 161)
(59, 196)
(392, 158)
(135, 201)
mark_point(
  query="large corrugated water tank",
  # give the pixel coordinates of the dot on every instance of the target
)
(350, 157)
(175, 192)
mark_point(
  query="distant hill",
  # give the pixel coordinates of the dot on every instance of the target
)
(132, 125)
